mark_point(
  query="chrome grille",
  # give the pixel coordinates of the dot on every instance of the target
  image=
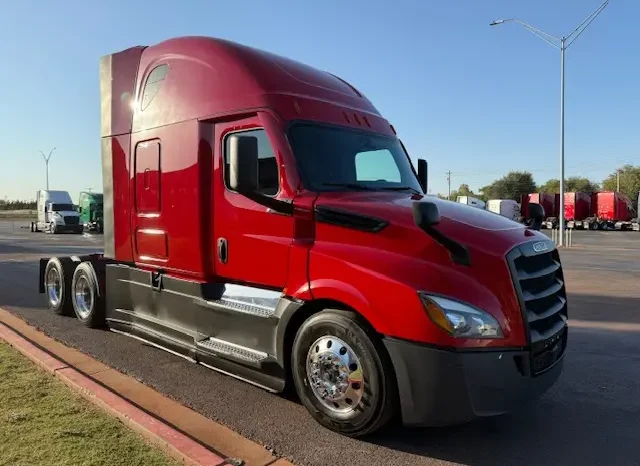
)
(539, 282)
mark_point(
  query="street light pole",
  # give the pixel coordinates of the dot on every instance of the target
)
(46, 162)
(561, 43)
(561, 207)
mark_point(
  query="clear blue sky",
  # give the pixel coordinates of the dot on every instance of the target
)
(470, 98)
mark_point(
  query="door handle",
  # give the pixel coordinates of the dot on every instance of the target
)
(223, 252)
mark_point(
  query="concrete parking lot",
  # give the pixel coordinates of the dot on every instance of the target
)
(591, 416)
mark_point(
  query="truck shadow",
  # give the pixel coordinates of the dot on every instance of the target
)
(550, 433)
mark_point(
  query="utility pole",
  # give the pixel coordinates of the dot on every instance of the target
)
(618, 177)
(46, 162)
(449, 181)
(562, 44)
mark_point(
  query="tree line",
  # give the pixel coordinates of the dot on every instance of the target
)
(516, 183)
(17, 205)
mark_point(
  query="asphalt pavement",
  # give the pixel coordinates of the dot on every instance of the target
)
(591, 416)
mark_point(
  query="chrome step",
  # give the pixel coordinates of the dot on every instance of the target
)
(230, 349)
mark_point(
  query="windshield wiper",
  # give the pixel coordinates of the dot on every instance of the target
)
(350, 186)
(399, 188)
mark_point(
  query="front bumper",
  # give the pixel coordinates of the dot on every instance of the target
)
(61, 227)
(441, 387)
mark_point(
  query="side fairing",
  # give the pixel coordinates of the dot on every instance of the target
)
(118, 73)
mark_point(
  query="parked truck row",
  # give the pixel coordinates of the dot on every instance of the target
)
(263, 219)
(56, 212)
(605, 210)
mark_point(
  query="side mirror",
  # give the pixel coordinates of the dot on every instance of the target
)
(423, 174)
(425, 214)
(243, 164)
(536, 214)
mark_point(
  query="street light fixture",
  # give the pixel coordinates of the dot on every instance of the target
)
(46, 161)
(562, 44)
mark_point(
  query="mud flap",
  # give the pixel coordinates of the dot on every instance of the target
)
(43, 265)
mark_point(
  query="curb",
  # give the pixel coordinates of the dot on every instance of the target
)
(177, 429)
(171, 441)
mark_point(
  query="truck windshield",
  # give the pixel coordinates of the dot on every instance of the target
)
(341, 159)
(61, 207)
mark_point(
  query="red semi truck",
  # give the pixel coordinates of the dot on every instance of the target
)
(263, 219)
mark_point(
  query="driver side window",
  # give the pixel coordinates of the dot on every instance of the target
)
(377, 165)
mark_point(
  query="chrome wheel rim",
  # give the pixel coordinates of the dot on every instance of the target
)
(335, 374)
(84, 296)
(53, 286)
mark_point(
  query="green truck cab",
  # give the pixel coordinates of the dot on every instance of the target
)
(90, 209)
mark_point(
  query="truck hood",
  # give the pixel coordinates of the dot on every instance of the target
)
(471, 226)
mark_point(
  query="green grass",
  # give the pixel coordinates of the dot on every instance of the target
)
(44, 422)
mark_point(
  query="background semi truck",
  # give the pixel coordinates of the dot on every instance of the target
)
(506, 207)
(471, 201)
(90, 209)
(548, 202)
(263, 219)
(56, 213)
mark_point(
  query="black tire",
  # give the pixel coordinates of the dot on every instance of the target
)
(63, 267)
(52, 228)
(88, 304)
(379, 394)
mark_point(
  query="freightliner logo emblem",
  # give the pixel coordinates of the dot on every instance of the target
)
(541, 246)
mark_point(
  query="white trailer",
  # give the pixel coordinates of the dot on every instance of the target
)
(56, 213)
(505, 207)
(472, 201)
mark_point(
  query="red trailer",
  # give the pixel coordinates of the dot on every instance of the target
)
(611, 210)
(577, 208)
(615, 210)
(548, 203)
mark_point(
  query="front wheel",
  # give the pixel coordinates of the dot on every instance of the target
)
(342, 375)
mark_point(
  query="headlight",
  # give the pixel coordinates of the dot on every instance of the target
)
(461, 320)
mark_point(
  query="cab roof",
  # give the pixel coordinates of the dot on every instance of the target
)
(235, 71)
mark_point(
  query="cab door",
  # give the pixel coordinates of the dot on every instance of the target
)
(251, 242)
